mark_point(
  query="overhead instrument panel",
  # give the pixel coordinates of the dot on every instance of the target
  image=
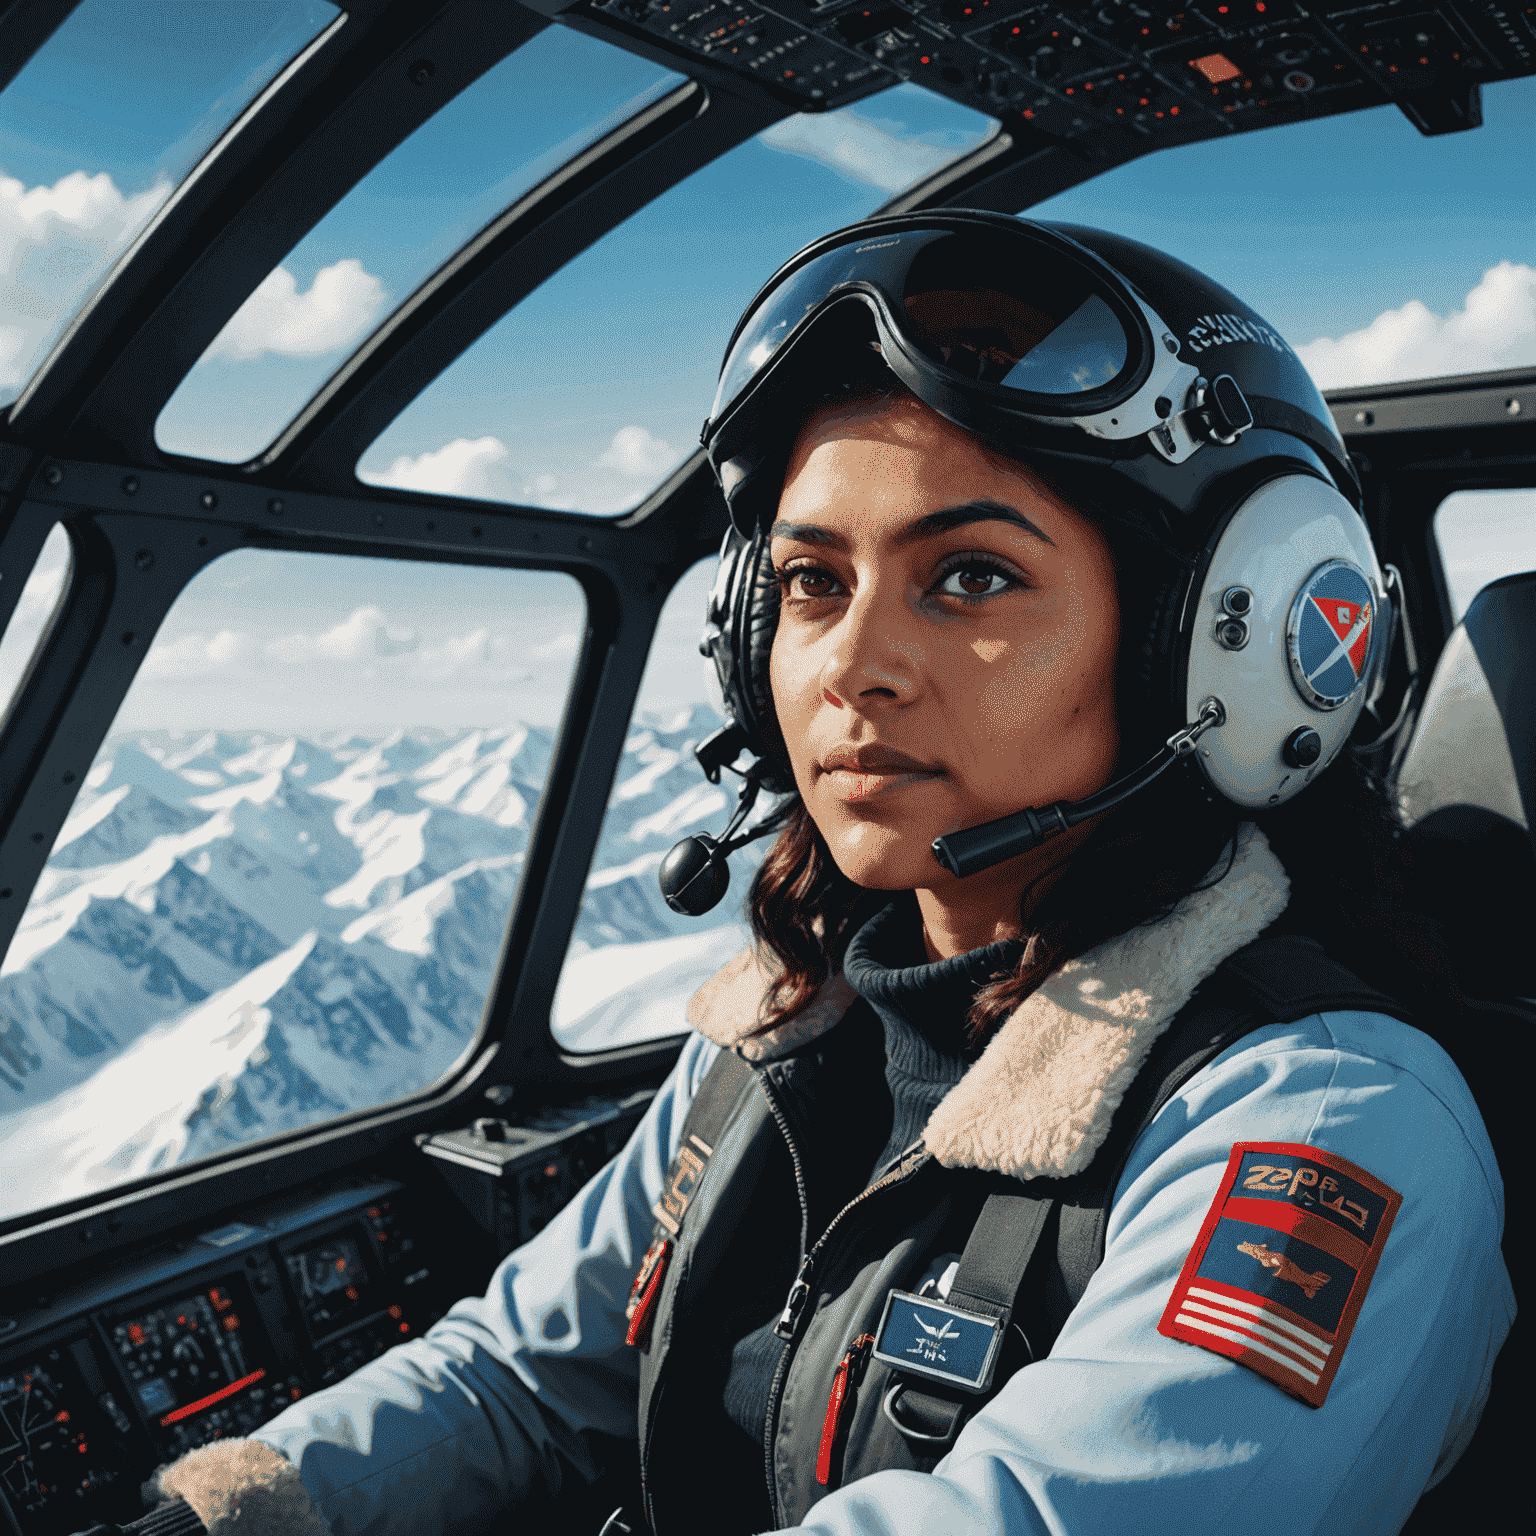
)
(60, 1450)
(1091, 73)
(198, 1372)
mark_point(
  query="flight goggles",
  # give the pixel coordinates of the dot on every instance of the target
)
(992, 321)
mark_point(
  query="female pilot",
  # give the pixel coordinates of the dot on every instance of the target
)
(1060, 1158)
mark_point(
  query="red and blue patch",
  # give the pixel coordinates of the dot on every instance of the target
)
(1330, 634)
(1278, 1274)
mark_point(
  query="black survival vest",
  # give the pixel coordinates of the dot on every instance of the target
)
(1030, 1247)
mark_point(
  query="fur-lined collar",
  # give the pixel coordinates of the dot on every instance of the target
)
(1040, 1098)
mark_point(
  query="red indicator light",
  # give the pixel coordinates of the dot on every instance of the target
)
(212, 1398)
(341, 1266)
(135, 1336)
(405, 1327)
(1216, 67)
(1173, 111)
(1221, 10)
(550, 1171)
(350, 1293)
(62, 1417)
(1259, 6)
(1029, 111)
(231, 1323)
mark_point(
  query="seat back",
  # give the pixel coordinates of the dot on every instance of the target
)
(1467, 782)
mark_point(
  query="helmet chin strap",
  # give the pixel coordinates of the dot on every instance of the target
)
(978, 848)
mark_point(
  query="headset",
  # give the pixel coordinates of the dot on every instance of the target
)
(1163, 401)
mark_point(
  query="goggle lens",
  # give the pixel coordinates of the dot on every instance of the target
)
(1012, 313)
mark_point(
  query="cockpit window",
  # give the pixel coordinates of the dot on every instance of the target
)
(501, 136)
(1379, 254)
(593, 388)
(1481, 536)
(633, 963)
(38, 605)
(282, 892)
(99, 129)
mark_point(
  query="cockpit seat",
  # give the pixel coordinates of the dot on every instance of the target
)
(1468, 784)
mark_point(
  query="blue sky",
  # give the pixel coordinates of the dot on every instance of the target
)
(1357, 237)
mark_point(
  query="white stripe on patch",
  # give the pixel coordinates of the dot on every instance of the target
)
(1248, 1342)
(1309, 1339)
(1248, 1324)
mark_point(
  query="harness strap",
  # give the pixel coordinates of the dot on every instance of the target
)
(708, 1116)
(1274, 980)
(1002, 1243)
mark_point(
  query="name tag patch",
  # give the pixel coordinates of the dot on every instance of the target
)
(1279, 1272)
(929, 1338)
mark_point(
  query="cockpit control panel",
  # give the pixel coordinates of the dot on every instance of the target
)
(129, 1367)
(208, 1339)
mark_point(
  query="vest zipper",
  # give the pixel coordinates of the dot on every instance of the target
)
(844, 1380)
(799, 1293)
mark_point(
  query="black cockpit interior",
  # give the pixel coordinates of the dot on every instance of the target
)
(174, 1301)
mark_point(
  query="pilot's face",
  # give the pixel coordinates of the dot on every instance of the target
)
(946, 647)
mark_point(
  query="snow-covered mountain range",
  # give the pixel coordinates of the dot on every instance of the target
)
(238, 934)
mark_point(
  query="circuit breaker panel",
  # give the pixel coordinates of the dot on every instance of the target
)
(1087, 73)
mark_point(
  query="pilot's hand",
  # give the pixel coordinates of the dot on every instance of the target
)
(233, 1486)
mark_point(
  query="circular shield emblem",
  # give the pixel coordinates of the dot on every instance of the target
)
(1329, 636)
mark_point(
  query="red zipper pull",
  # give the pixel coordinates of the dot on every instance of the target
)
(844, 1379)
(643, 1293)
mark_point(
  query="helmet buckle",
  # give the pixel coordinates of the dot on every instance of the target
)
(1220, 409)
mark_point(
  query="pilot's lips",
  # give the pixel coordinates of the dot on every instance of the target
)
(860, 773)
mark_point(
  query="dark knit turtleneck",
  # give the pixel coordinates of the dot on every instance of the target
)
(924, 1010)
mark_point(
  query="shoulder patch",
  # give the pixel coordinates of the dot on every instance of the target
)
(1284, 1258)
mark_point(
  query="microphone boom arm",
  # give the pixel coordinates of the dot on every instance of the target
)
(978, 848)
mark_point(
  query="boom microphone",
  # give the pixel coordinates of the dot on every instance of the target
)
(978, 848)
(694, 876)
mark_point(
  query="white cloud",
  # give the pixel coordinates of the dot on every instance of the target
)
(339, 306)
(873, 151)
(198, 656)
(365, 633)
(478, 466)
(482, 467)
(55, 243)
(634, 451)
(1495, 328)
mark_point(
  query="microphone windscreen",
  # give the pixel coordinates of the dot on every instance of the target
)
(693, 877)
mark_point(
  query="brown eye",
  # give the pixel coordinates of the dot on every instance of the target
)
(976, 579)
(807, 581)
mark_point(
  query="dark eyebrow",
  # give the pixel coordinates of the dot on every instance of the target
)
(983, 511)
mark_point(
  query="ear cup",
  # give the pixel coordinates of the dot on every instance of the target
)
(738, 638)
(1281, 626)
(758, 618)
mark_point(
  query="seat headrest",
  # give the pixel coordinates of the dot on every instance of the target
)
(1475, 740)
